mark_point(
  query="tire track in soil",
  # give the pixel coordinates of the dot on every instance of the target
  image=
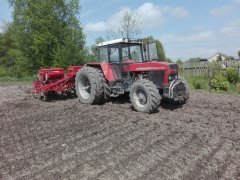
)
(94, 158)
(46, 155)
(87, 146)
(215, 164)
(104, 155)
(186, 161)
(91, 156)
(66, 139)
(140, 161)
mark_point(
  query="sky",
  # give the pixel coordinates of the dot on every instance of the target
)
(187, 28)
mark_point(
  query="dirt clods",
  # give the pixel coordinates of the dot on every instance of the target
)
(65, 139)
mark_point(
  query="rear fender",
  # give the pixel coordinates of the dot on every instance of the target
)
(106, 69)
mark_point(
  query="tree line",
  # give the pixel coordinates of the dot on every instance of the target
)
(43, 34)
(49, 34)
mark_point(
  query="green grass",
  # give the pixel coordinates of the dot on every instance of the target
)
(200, 82)
(233, 89)
(14, 79)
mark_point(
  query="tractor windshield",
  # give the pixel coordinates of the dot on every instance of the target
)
(132, 52)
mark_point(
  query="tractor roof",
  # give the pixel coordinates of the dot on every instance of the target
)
(117, 41)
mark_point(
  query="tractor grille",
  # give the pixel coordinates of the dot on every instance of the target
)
(157, 77)
(173, 66)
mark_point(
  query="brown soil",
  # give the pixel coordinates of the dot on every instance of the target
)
(64, 139)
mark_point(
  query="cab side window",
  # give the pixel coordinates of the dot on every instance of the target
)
(103, 54)
(114, 54)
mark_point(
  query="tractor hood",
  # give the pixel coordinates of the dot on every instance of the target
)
(111, 71)
(152, 66)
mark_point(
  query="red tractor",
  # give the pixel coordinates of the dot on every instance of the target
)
(126, 66)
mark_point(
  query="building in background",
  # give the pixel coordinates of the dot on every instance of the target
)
(218, 57)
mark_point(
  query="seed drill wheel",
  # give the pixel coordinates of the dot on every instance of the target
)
(90, 85)
(35, 95)
(144, 96)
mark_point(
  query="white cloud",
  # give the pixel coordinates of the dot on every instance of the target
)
(179, 12)
(203, 43)
(225, 10)
(152, 15)
(220, 11)
(188, 38)
(186, 53)
(237, 1)
(96, 27)
(103, 26)
(231, 30)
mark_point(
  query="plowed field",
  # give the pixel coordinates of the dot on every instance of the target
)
(64, 139)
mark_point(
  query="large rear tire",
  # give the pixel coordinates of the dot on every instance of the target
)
(144, 96)
(90, 85)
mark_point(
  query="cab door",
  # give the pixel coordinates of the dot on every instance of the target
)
(119, 69)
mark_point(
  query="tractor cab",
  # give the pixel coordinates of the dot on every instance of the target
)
(120, 54)
(120, 51)
(127, 57)
(126, 51)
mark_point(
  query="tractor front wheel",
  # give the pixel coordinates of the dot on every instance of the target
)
(144, 96)
(90, 85)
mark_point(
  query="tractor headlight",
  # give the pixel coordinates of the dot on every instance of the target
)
(172, 77)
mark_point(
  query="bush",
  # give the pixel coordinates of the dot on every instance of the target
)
(198, 82)
(220, 82)
(238, 87)
(3, 72)
(231, 75)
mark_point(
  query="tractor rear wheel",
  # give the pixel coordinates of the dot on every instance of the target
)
(90, 85)
(144, 96)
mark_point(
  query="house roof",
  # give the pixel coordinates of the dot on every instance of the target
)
(223, 55)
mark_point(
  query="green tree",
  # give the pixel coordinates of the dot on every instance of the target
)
(12, 61)
(90, 55)
(196, 59)
(48, 33)
(239, 54)
(93, 48)
(160, 50)
(169, 60)
(179, 62)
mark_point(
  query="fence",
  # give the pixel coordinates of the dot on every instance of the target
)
(205, 68)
